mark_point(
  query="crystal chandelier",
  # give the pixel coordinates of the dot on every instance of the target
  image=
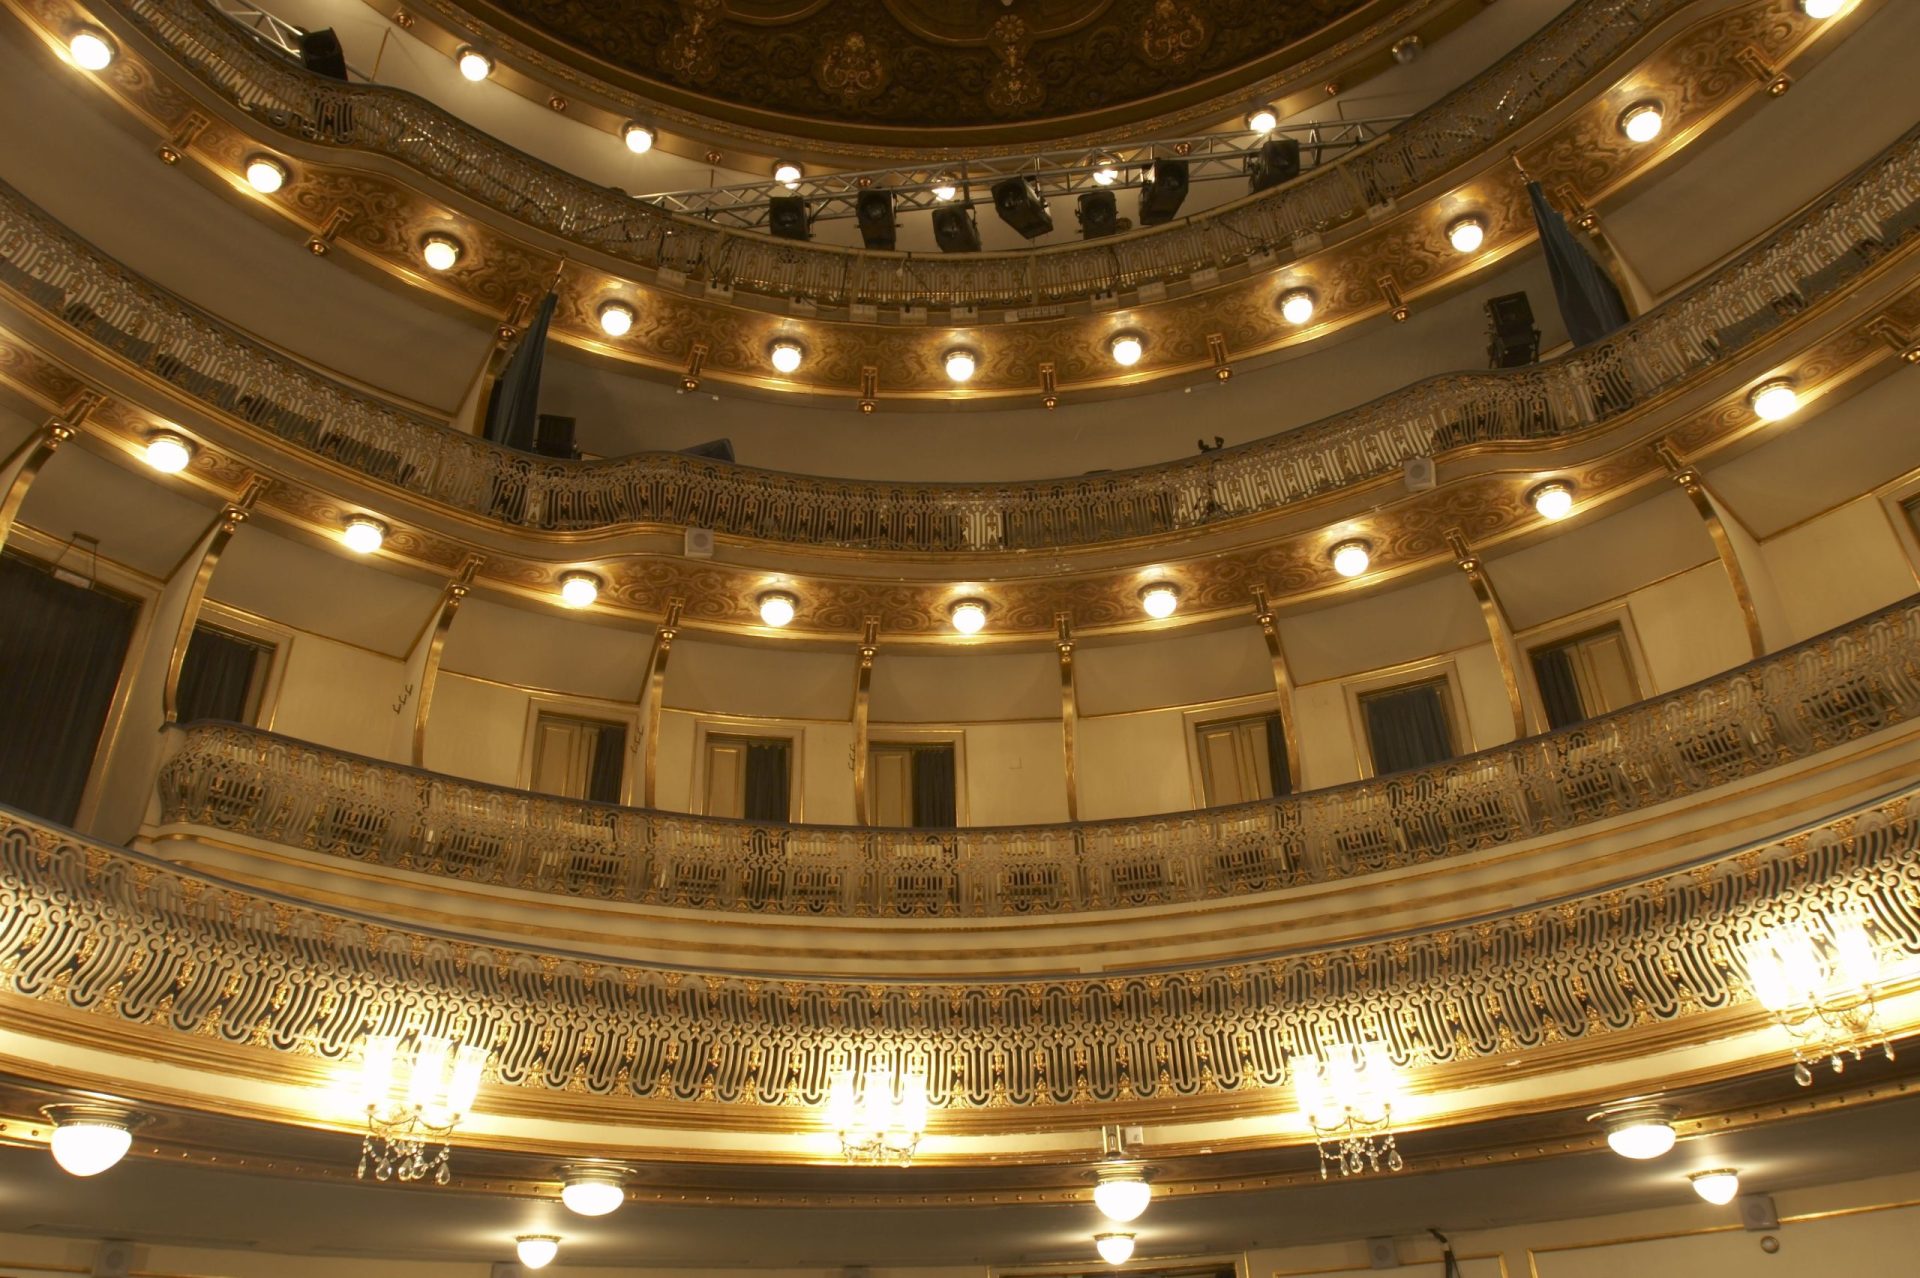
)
(879, 1119)
(414, 1095)
(1818, 980)
(1346, 1095)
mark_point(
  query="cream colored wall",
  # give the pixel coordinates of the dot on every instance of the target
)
(1839, 566)
(337, 695)
(1135, 764)
(1690, 627)
(477, 730)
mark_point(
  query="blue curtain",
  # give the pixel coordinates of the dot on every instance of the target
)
(1407, 728)
(1553, 671)
(1589, 302)
(768, 778)
(216, 676)
(934, 806)
(513, 411)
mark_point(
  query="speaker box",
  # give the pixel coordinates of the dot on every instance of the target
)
(874, 211)
(1163, 192)
(1512, 340)
(553, 436)
(1277, 161)
(320, 53)
(955, 230)
(699, 543)
(1382, 1253)
(1020, 205)
(1420, 474)
(787, 217)
(1757, 1212)
(1099, 214)
(112, 1259)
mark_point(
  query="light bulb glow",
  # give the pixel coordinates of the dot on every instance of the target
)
(1160, 600)
(1115, 1249)
(788, 174)
(266, 174)
(1774, 400)
(969, 616)
(362, 535)
(1639, 1133)
(89, 1146)
(593, 1193)
(1127, 349)
(1108, 173)
(91, 49)
(638, 137)
(440, 252)
(474, 65)
(777, 608)
(1350, 558)
(168, 453)
(945, 188)
(960, 365)
(1466, 234)
(1821, 10)
(786, 357)
(1641, 122)
(1297, 306)
(1262, 120)
(1719, 1187)
(579, 589)
(616, 319)
(536, 1251)
(1552, 500)
(1122, 1194)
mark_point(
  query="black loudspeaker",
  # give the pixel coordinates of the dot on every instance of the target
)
(1099, 214)
(874, 211)
(1512, 340)
(717, 449)
(1277, 161)
(955, 230)
(787, 217)
(1164, 191)
(1020, 205)
(553, 436)
(320, 53)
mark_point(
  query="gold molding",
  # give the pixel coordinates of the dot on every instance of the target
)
(23, 465)
(653, 696)
(1282, 683)
(1069, 708)
(1499, 629)
(862, 691)
(451, 596)
(211, 544)
(1688, 478)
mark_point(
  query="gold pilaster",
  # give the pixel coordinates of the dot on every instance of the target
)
(1069, 709)
(1282, 681)
(652, 695)
(862, 690)
(1688, 477)
(1499, 631)
(436, 642)
(208, 548)
(18, 471)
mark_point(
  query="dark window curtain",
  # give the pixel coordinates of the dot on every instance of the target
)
(1407, 729)
(1277, 757)
(1553, 670)
(61, 649)
(609, 763)
(933, 786)
(215, 677)
(767, 780)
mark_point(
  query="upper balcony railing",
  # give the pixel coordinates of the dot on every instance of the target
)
(1812, 257)
(1469, 122)
(1795, 703)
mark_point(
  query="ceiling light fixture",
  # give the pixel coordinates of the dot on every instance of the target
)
(1466, 234)
(1350, 558)
(474, 65)
(1553, 499)
(415, 1092)
(1774, 400)
(1821, 10)
(1297, 306)
(1262, 119)
(786, 356)
(1719, 1186)
(1637, 1131)
(616, 319)
(1641, 122)
(266, 174)
(593, 1190)
(878, 1117)
(1121, 1193)
(579, 589)
(1161, 600)
(969, 616)
(1127, 348)
(440, 252)
(1819, 978)
(89, 1138)
(1346, 1093)
(91, 49)
(777, 608)
(168, 453)
(1115, 1249)
(638, 137)
(363, 534)
(788, 174)
(536, 1251)
(961, 363)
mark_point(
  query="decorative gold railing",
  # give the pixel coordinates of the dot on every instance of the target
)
(1813, 257)
(134, 939)
(1830, 689)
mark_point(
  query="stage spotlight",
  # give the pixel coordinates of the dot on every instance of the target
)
(1164, 191)
(1020, 205)
(1108, 171)
(1099, 214)
(1277, 161)
(945, 187)
(955, 230)
(874, 211)
(787, 218)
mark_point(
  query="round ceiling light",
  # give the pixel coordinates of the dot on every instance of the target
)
(363, 535)
(1553, 499)
(1297, 306)
(1350, 558)
(969, 616)
(593, 1191)
(777, 608)
(91, 49)
(1262, 119)
(536, 1251)
(1774, 400)
(1638, 1131)
(1127, 348)
(88, 1139)
(1160, 600)
(168, 453)
(266, 174)
(1115, 1249)
(788, 174)
(440, 252)
(1641, 122)
(786, 356)
(616, 319)
(961, 363)
(1122, 1193)
(1466, 234)
(1719, 1186)
(1821, 10)
(474, 65)
(638, 137)
(579, 589)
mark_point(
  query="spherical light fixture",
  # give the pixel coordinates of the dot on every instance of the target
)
(91, 49)
(786, 356)
(616, 319)
(474, 65)
(945, 187)
(1122, 1192)
(593, 1191)
(1126, 349)
(1108, 171)
(788, 173)
(363, 535)
(579, 589)
(1297, 306)
(1774, 400)
(1350, 558)
(1638, 1131)
(969, 616)
(1115, 1249)
(1719, 1186)
(1160, 600)
(536, 1251)
(88, 1139)
(266, 174)
(961, 363)
(440, 252)
(1262, 119)
(1641, 122)
(1466, 234)
(1553, 499)
(1821, 10)
(638, 137)
(168, 453)
(777, 608)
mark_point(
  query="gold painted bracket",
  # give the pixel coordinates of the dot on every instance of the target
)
(1282, 680)
(1069, 708)
(1726, 540)
(1499, 631)
(862, 692)
(1395, 300)
(652, 694)
(1769, 77)
(184, 135)
(320, 243)
(17, 473)
(209, 548)
(1903, 342)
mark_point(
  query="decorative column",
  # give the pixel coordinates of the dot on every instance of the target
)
(1740, 557)
(651, 696)
(862, 691)
(18, 471)
(1500, 634)
(1282, 681)
(423, 668)
(1069, 709)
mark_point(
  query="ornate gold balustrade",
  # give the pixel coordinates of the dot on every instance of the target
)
(248, 973)
(1791, 705)
(1813, 257)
